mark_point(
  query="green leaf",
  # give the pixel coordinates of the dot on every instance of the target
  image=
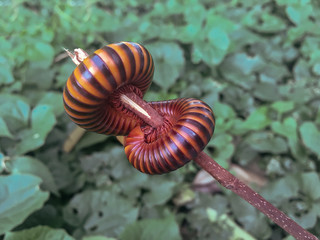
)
(97, 238)
(299, 95)
(3, 159)
(189, 32)
(192, 90)
(317, 121)
(240, 100)
(223, 110)
(42, 121)
(90, 139)
(309, 180)
(238, 232)
(41, 53)
(64, 72)
(223, 148)
(161, 190)
(282, 189)
(294, 14)
(208, 53)
(169, 63)
(244, 63)
(185, 196)
(310, 136)
(23, 110)
(20, 196)
(257, 120)
(129, 183)
(283, 106)
(263, 21)
(309, 219)
(29, 165)
(287, 129)
(316, 69)
(225, 116)
(251, 220)
(39, 77)
(14, 110)
(100, 212)
(152, 229)
(266, 142)
(39, 233)
(54, 100)
(219, 38)
(212, 42)
(6, 76)
(245, 154)
(29, 141)
(274, 167)
(159, 96)
(266, 91)
(4, 131)
(301, 72)
(299, 13)
(298, 150)
(239, 68)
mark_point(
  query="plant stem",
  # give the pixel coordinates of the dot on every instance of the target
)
(224, 177)
(142, 109)
(73, 138)
(232, 183)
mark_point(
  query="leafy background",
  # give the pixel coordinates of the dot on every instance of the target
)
(255, 62)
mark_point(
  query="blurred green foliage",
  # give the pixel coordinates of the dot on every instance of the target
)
(255, 62)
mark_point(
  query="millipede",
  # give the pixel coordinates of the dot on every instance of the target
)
(189, 125)
(90, 94)
(92, 99)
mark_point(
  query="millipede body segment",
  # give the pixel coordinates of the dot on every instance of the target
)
(96, 97)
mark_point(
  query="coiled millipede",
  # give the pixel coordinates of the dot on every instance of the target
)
(92, 90)
(187, 128)
(104, 94)
(96, 98)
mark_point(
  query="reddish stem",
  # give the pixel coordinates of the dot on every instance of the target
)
(225, 178)
(232, 183)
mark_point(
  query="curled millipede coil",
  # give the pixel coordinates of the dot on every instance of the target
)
(90, 90)
(190, 126)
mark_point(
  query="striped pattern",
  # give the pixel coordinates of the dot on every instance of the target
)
(191, 127)
(93, 84)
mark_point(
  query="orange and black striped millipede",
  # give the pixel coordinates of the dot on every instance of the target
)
(90, 95)
(188, 128)
(92, 100)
